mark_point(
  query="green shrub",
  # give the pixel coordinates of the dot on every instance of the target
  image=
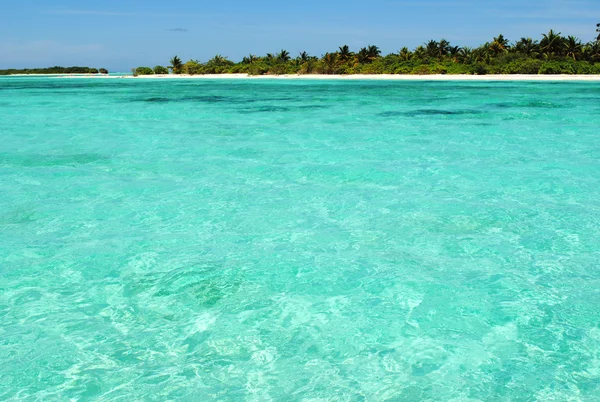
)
(526, 66)
(103, 71)
(423, 69)
(259, 68)
(308, 67)
(161, 70)
(402, 69)
(143, 71)
(344, 69)
(277, 69)
(479, 69)
(556, 67)
(192, 67)
(585, 67)
(218, 65)
(239, 69)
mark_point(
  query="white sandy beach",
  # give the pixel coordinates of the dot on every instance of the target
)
(511, 77)
(354, 77)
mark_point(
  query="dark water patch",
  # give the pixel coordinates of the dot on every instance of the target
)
(207, 99)
(201, 99)
(391, 114)
(312, 107)
(17, 217)
(205, 284)
(502, 105)
(541, 105)
(429, 112)
(187, 99)
(583, 98)
(521, 105)
(267, 109)
(21, 160)
(55, 85)
(157, 100)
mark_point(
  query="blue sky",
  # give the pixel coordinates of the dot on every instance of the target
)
(122, 34)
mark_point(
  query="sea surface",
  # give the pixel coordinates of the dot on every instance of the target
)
(243, 240)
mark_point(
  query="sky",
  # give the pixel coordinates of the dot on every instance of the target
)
(119, 35)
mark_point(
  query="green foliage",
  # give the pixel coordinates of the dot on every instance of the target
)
(553, 54)
(279, 68)
(258, 68)
(176, 65)
(51, 70)
(161, 70)
(218, 65)
(192, 67)
(103, 71)
(521, 66)
(556, 67)
(143, 71)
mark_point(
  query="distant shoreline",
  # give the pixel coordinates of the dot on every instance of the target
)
(359, 77)
(57, 75)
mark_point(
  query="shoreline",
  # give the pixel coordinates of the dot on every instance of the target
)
(353, 77)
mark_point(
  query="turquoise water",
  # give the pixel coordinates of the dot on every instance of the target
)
(299, 240)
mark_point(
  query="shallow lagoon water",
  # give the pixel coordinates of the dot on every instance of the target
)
(299, 240)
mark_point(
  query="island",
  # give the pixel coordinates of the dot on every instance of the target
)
(553, 53)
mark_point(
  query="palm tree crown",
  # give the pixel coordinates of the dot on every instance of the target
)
(283, 55)
(573, 47)
(373, 52)
(176, 65)
(344, 53)
(551, 43)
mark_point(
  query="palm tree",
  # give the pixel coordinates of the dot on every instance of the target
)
(330, 60)
(481, 54)
(591, 52)
(219, 60)
(250, 59)
(527, 46)
(573, 47)
(453, 52)
(502, 41)
(552, 43)
(304, 57)
(176, 65)
(362, 56)
(420, 52)
(284, 56)
(598, 30)
(442, 48)
(405, 54)
(465, 54)
(431, 48)
(344, 53)
(498, 45)
(373, 52)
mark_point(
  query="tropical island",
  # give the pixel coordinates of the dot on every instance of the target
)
(552, 54)
(54, 70)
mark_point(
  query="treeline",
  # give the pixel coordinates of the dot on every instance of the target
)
(551, 54)
(55, 70)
